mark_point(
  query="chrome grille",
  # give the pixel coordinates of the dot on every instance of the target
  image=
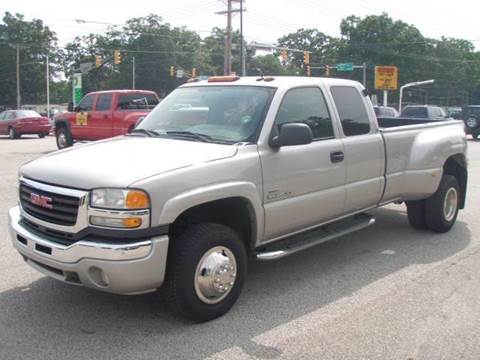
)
(56, 208)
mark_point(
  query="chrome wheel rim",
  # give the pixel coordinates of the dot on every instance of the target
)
(450, 204)
(215, 275)
(62, 140)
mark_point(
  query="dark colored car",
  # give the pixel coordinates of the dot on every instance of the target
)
(471, 116)
(423, 112)
(16, 123)
(385, 111)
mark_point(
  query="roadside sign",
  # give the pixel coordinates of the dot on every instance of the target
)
(77, 88)
(179, 73)
(386, 77)
(345, 67)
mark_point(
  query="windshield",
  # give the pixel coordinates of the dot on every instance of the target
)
(221, 113)
(26, 114)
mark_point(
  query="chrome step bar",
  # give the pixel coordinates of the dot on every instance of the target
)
(314, 237)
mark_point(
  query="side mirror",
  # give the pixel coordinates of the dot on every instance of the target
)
(70, 107)
(139, 120)
(291, 134)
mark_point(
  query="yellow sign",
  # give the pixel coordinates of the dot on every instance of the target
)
(386, 77)
(81, 118)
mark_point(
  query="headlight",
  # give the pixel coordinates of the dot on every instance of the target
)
(121, 199)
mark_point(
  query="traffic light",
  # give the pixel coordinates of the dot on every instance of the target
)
(309, 70)
(172, 71)
(194, 73)
(327, 70)
(117, 59)
(284, 55)
(98, 61)
(306, 57)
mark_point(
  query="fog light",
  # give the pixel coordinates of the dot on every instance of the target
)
(130, 223)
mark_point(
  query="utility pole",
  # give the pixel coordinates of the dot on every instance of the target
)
(242, 42)
(17, 47)
(47, 71)
(133, 73)
(19, 100)
(227, 62)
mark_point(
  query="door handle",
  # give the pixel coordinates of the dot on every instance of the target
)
(337, 156)
(105, 116)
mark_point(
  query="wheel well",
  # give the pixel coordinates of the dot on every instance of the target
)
(60, 124)
(235, 212)
(456, 165)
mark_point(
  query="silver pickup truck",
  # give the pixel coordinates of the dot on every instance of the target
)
(225, 169)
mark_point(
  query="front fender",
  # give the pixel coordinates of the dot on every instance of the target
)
(175, 206)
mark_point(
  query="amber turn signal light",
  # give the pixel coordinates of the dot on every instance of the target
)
(137, 200)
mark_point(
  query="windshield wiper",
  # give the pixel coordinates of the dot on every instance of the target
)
(191, 135)
(151, 133)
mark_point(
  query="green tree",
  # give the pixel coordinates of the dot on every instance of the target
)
(35, 41)
(323, 48)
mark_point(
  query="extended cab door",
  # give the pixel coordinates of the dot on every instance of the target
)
(304, 185)
(101, 124)
(364, 149)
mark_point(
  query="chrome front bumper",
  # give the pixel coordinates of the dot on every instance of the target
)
(132, 268)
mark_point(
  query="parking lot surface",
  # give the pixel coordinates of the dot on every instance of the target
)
(386, 292)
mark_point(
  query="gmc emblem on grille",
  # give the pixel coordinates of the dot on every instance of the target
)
(40, 200)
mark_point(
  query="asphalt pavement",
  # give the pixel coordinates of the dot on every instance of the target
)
(386, 292)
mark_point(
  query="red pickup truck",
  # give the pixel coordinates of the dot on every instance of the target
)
(103, 114)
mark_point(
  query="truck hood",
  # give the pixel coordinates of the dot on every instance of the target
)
(121, 161)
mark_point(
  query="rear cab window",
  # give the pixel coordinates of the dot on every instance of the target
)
(351, 110)
(142, 101)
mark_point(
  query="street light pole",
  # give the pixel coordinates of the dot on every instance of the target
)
(47, 71)
(416, 83)
(133, 73)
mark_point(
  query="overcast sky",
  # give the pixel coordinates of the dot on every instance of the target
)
(265, 20)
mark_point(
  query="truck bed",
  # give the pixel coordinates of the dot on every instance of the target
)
(388, 122)
(415, 151)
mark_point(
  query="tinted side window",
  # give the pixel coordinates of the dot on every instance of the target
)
(351, 109)
(415, 112)
(104, 102)
(308, 106)
(87, 103)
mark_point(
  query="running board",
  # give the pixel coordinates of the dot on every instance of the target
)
(305, 240)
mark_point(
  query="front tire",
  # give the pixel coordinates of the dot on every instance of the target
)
(64, 138)
(12, 134)
(41, 135)
(441, 209)
(206, 270)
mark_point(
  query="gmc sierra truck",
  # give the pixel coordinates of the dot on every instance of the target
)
(224, 169)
